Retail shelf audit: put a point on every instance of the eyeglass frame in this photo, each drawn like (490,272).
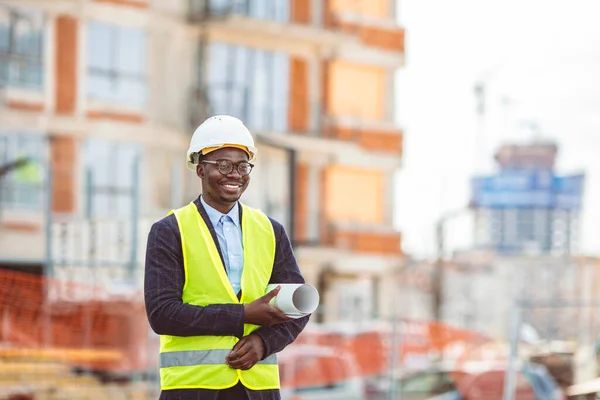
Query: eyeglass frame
(236,165)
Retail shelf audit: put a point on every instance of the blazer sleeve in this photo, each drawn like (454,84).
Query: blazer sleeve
(163,289)
(285,270)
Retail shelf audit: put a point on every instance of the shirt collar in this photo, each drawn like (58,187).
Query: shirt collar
(215,216)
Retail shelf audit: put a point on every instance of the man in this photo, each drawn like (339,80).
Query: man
(207,268)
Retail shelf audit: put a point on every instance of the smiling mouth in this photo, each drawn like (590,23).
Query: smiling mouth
(232,186)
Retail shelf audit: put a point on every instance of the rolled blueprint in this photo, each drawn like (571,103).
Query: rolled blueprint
(295,299)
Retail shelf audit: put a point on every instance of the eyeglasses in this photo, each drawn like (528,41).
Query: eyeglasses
(226,167)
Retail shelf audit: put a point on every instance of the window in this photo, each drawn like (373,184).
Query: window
(116,64)
(525,226)
(251,84)
(21,48)
(22,188)
(111,167)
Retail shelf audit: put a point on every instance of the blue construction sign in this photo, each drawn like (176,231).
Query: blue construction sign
(528,189)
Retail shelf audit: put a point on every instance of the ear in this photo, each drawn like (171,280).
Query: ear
(200,170)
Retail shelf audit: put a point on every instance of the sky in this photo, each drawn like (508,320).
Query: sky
(540,61)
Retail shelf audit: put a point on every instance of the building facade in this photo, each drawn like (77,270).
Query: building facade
(101,97)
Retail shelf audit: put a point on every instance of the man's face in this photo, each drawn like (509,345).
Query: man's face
(223,189)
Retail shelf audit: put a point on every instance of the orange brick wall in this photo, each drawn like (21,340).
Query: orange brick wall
(21,226)
(64,153)
(391,39)
(116,116)
(348,186)
(388,39)
(382,141)
(24,105)
(365,97)
(366,242)
(129,3)
(301,11)
(387,141)
(66,64)
(298,114)
(368,8)
(328,15)
(325,86)
(342,133)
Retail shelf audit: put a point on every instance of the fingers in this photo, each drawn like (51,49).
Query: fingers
(236,348)
(240,348)
(245,362)
(279,316)
(261,312)
(247,354)
(269,296)
(244,356)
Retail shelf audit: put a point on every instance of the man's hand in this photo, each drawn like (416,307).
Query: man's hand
(260,312)
(246,353)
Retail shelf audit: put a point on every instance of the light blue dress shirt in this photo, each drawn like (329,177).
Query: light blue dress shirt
(229,233)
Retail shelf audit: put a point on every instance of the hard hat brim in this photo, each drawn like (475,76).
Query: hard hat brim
(248,149)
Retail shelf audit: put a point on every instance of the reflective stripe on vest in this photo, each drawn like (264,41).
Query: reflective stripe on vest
(199,361)
(197,357)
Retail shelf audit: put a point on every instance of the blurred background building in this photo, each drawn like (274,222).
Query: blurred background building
(523,247)
(527,207)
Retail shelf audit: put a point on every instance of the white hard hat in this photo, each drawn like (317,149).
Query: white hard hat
(218,132)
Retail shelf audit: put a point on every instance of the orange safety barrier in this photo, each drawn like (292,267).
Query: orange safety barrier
(371,351)
(42,318)
(371,348)
(49,319)
(313,366)
(441,335)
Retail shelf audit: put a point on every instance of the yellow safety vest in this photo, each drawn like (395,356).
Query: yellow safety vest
(199,361)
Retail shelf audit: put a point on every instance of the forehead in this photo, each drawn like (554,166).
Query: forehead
(228,153)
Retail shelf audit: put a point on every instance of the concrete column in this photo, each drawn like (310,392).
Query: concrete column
(314,96)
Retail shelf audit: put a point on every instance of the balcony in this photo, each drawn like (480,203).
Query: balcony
(207,10)
(364,239)
(274,23)
(140,4)
(378,32)
(370,136)
(284,11)
(389,39)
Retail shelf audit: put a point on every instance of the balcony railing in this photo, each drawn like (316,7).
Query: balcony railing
(379,32)
(369,135)
(205,10)
(363,239)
